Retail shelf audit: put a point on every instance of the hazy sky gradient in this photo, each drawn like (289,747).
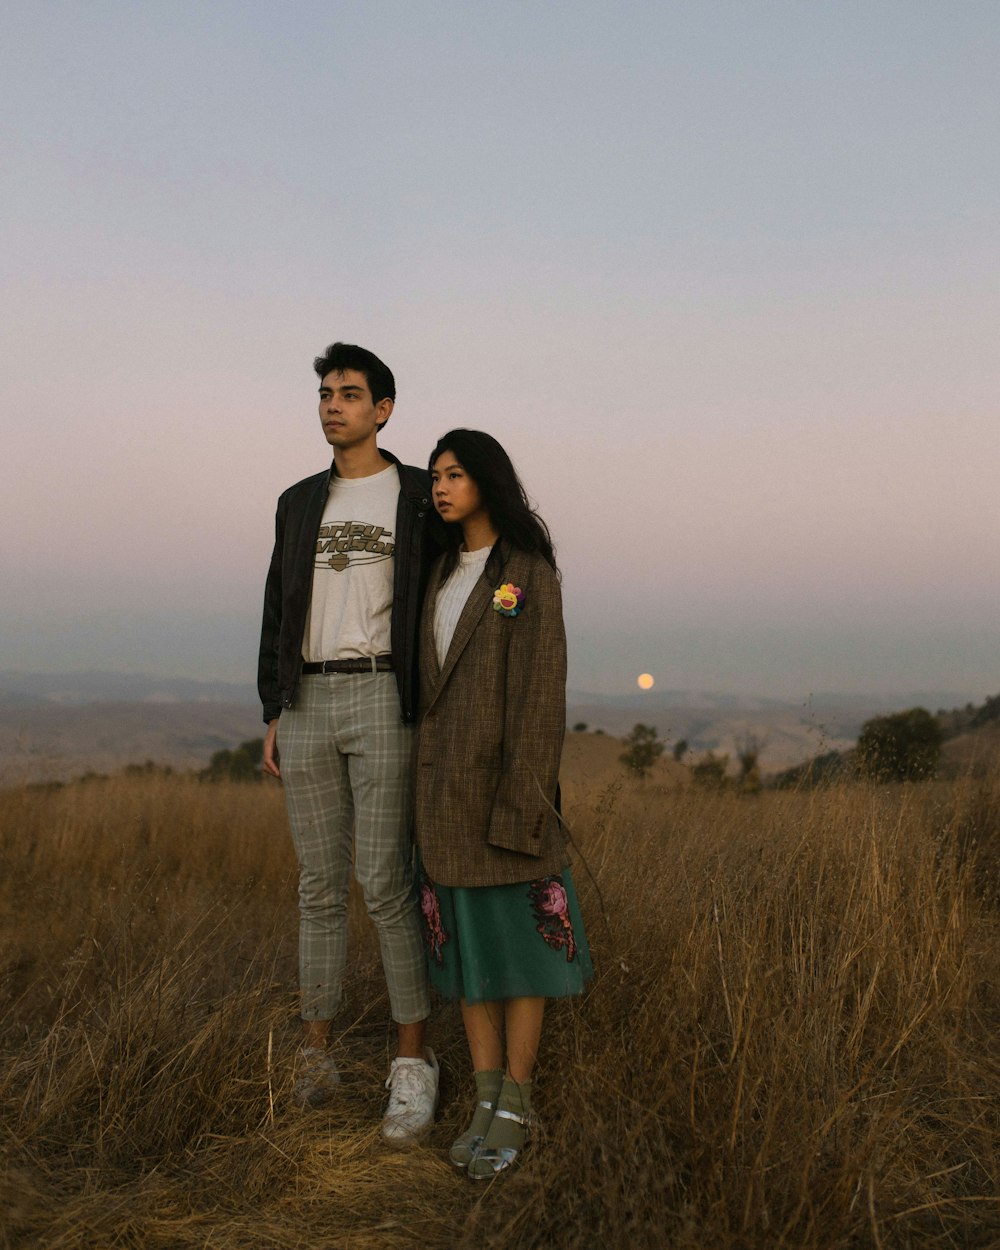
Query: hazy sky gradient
(721,276)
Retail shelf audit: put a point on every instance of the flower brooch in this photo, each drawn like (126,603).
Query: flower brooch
(508,600)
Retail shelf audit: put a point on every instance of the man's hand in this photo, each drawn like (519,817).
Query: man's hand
(271,756)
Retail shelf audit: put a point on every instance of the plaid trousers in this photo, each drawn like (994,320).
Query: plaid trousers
(347,763)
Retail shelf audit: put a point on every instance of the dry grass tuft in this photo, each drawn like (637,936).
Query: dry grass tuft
(791,1039)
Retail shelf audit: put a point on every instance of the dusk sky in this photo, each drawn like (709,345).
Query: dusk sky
(721,276)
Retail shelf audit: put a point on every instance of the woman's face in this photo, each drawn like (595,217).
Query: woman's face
(456,496)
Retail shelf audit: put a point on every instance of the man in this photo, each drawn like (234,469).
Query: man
(338,681)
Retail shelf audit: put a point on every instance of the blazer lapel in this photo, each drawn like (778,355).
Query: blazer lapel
(476,604)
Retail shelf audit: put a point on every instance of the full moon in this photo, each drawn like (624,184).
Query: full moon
(645,681)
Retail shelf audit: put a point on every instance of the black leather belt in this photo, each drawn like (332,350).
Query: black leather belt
(371,664)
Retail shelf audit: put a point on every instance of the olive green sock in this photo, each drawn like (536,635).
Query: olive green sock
(487,1089)
(488,1084)
(516,1098)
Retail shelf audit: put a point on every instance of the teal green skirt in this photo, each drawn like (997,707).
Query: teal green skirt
(505,941)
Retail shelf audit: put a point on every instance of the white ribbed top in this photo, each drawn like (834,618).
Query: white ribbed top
(453,596)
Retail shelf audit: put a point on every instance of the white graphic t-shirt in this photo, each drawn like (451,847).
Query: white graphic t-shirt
(350,608)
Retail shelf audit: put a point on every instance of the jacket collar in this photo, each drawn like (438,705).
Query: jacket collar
(477,603)
(409,482)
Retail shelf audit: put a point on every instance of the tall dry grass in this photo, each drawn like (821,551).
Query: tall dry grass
(791,1039)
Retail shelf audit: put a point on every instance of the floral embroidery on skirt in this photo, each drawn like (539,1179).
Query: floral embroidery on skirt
(548,897)
(433,930)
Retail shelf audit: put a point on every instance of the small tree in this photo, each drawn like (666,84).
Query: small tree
(748,754)
(580,727)
(710,772)
(149,769)
(821,770)
(989,711)
(643,749)
(243,764)
(901,747)
(680,749)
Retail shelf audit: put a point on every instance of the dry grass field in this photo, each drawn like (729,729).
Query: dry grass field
(791,1040)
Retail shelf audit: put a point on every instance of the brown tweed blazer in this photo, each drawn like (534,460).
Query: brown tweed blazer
(491,734)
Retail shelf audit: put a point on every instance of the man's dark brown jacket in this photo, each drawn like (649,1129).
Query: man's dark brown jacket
(289,584)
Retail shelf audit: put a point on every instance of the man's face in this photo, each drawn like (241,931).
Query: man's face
(346,410)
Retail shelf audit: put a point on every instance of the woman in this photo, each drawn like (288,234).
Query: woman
(502,926)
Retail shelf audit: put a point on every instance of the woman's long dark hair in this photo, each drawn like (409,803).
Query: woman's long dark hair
(513,517)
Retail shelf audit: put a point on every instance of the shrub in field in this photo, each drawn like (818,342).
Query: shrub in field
(149,769)
(901,747)
(710,772)
(988,712)
(748,755)
(821,770)
(243,764)
(642,749)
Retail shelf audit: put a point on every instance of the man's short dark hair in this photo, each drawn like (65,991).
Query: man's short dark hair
(341,356)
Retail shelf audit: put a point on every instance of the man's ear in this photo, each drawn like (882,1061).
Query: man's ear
(383,411)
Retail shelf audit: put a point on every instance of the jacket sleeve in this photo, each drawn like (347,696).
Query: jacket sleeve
(534,721)
(270,628)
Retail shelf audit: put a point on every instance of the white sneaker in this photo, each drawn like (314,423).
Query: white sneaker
(413,1095)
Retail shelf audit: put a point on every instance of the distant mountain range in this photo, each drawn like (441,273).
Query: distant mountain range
(77,689)
(59,725)
(785,732)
